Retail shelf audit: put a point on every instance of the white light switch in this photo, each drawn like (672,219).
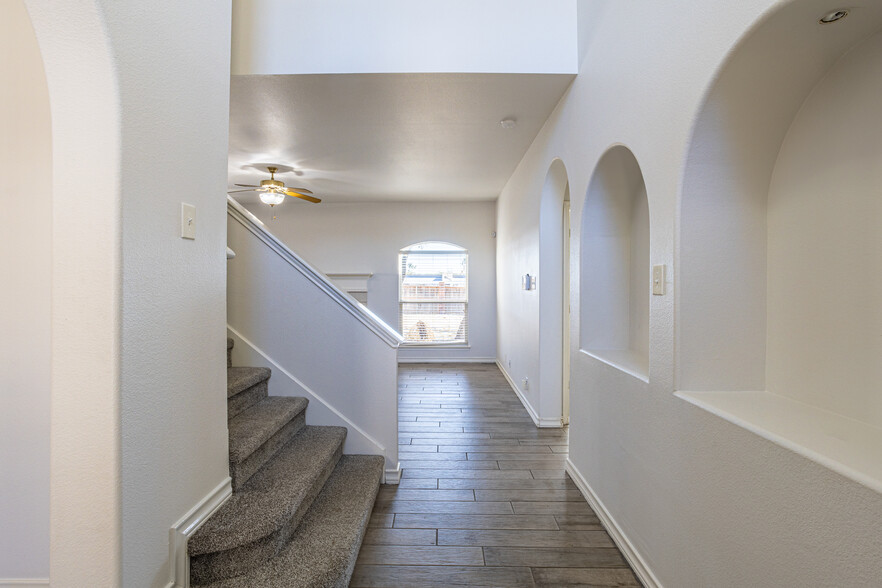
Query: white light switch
(188,221)
(658,280)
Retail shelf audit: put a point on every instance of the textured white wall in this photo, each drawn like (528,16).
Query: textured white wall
(25,270)
(704,502)
(825,245)
(341,366)
(366,238)
(139,99)
(172,60)
(336,36)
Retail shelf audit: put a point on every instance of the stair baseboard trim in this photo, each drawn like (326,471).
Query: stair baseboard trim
(275,366)
(445,359)
(636,561)
(392,476)
(179,534)
(24,582)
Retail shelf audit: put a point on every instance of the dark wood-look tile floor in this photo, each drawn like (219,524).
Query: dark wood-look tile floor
(484,499)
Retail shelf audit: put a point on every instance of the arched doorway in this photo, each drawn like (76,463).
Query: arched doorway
(554,330)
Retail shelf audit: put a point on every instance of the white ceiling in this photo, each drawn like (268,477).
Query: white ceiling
(387,137)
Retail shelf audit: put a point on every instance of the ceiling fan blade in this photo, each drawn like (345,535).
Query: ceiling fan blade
(248,185)
(237,191)
(299,190)
(303,196)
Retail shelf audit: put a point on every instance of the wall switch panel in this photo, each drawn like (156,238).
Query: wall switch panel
(188,221)
(658,280)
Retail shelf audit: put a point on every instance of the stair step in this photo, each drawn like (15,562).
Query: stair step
(246,386)
(258,520)
(256,434)
(324,548)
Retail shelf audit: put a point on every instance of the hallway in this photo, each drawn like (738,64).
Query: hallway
(483,499)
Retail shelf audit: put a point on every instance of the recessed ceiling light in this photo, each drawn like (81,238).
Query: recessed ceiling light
(508,123)
(833,16)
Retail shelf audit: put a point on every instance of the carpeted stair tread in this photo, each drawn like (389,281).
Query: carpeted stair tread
(276,496)
(242,378)
(323,550)
(253,427)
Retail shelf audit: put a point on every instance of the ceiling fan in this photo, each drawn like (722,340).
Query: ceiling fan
(273,192)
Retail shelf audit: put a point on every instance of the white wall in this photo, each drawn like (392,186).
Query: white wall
(26,269)
(317,346)
(173,64)
(330,36)
(366,238)
(699,501)
(139,99)
(825,245)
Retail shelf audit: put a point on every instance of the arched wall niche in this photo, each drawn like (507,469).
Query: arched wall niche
(779,248)
(614,265)
(553,290)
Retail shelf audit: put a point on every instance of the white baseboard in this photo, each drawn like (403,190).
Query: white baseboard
(446,359)
(542,423)
(638,564)
(392,476)
(179,534)
(24,582)
(520,394)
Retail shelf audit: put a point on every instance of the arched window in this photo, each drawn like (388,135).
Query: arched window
(433,293)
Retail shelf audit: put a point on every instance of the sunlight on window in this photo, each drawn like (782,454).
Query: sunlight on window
(433,293)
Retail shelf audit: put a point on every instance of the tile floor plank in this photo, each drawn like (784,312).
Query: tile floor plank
(591,577)
(453,521)
(420,555)
(433,507)
(503,484)
(484,499)
(388,576)
(380,536)
(524,538)
(392,493)
(555,557)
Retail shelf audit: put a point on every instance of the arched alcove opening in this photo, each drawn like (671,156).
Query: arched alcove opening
(25,312)
(614,265)
(780,250)
(85,444)
(553,288)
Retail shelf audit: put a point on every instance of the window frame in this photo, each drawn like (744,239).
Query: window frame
(459,251)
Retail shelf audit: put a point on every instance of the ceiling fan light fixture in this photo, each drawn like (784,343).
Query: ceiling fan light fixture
(272,198)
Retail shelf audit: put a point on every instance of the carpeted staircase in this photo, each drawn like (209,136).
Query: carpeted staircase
(299,507)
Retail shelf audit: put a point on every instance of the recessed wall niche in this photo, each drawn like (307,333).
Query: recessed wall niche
(614,271)
(780,248)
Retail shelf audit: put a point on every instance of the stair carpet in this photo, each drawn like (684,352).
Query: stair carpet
(299,507)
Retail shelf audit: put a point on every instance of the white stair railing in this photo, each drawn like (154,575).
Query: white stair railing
(319,341)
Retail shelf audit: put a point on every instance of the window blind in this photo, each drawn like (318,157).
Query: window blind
(433,293)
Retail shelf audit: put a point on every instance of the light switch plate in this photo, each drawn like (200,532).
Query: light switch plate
(188,221)
(658,280)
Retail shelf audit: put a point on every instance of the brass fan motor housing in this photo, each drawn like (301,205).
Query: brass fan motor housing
(273,184)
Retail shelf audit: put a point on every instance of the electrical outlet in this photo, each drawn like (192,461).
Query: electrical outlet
(526,384)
